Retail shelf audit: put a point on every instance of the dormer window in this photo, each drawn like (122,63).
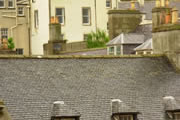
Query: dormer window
(177,116)
(125,116)
(121,111)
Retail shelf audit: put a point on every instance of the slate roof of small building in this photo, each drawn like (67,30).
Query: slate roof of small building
(29,87)
(145,46)
(127,38)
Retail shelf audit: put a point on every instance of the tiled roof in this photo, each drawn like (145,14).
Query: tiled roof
(128,38)
(29,87)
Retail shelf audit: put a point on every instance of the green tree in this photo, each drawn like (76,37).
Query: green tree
(97,39)
(11,43)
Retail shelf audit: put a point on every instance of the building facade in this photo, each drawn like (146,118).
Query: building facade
(40,25)
(80,17)
(15,23)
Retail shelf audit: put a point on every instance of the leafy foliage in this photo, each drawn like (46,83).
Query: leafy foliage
(11,43)
(97,39)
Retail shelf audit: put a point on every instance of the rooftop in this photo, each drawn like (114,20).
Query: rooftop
(29,87)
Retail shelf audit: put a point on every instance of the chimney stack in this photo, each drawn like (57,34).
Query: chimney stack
(115,105)
(162,3)
(133,5)
(157,3)
(167,3)
(174,15)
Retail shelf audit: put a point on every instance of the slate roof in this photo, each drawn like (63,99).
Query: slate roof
(145,46)
(127,38)
(147,8)
(29,87)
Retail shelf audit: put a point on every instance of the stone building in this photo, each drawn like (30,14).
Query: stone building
(166,29)
(15,23)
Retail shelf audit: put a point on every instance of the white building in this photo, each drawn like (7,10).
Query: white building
(40,25)
(80,17)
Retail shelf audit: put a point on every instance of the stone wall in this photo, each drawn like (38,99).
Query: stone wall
(168,42)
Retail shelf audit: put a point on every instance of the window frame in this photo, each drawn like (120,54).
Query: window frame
(3,4)
(63,15)
(4,32)
(89,16)
(19,11)
(13,2)
(111,50)
(110,3)
(36,19)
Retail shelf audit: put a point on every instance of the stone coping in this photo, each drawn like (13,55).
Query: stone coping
(78,56)
(118,11)
(167,27)
(84,50)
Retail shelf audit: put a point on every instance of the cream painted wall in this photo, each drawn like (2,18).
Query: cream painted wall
(73,29)
(40,35)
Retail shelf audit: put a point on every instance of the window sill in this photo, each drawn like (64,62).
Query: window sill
(86,24)
(21,16)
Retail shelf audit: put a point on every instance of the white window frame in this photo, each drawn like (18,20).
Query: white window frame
(109,2)
(22,14)
(62,16)
(111,50)
(12,3)
(3,3)
(4,32)
(87,16)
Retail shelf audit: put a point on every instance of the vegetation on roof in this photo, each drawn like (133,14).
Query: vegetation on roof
(97,39)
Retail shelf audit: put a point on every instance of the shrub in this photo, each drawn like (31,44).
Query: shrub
(97,39)
(11,43)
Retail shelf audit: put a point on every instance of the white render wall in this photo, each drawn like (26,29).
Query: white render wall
(73,29)
(40,35)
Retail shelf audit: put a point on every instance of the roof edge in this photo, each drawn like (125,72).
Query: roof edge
(77,56)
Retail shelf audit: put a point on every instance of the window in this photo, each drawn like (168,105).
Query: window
(10,3)
(86,16)
(62,36)
(176,116)
(1,3)
(4,33)
(85,37)
(60,13)
(118,50)
(122,117)
(36,19)
(108,3)
(111,50)
(20,11)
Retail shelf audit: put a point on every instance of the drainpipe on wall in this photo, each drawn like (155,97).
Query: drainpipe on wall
(49,11)
(16,21)
(116,4)
(95,8)
(29,27)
